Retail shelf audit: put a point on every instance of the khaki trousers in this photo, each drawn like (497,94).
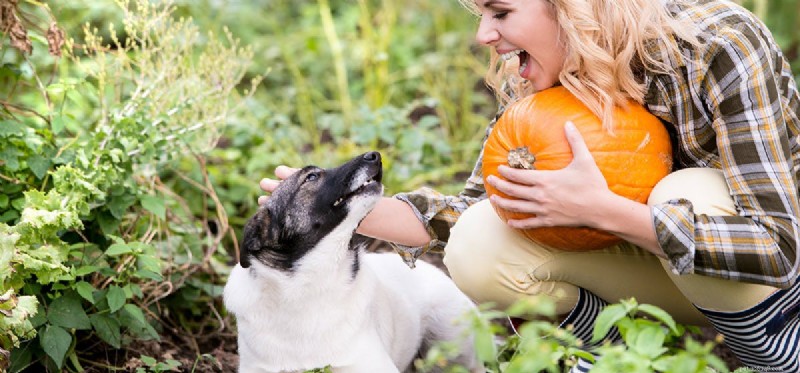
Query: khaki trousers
(491,262)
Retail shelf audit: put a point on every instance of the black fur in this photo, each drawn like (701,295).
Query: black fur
(302,211)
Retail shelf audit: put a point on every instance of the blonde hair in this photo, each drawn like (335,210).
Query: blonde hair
(608,42)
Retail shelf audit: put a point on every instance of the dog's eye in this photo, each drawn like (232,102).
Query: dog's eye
(312,176)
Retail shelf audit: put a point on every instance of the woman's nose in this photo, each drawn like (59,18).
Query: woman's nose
(487,33)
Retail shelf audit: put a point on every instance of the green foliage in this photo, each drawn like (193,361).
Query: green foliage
(651,342)
(128,161)
(88,230)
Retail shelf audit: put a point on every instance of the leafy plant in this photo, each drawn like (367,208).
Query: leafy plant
(651,342)
(91,231)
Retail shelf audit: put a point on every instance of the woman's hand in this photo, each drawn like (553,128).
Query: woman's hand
(559,197)
(269,185)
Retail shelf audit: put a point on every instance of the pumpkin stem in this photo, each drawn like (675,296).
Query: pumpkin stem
(521,158)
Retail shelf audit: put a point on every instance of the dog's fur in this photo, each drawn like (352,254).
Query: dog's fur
(306,295)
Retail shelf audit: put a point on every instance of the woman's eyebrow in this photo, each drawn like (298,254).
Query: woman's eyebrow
(489,3)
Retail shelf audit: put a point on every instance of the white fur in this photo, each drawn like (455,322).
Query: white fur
(320,315)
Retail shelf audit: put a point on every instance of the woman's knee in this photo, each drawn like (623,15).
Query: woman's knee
(705,188)
(471,254)
(489,261)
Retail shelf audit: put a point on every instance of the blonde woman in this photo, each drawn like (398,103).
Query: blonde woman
(717,242)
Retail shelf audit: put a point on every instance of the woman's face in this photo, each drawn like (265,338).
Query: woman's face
(525,30)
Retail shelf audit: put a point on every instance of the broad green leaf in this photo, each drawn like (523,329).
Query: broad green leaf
(149,275)
(107,328)
(660,315)
(68,312)
(137,323)
(55,342)
(650,342)
(39,165)
(118,249)
(119,204)
(116,298)
(86,290)
(9,128)
(606,320)
(85,270)
(57,124)
(108,223)
(155,205)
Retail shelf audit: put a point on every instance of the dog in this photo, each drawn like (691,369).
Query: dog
(307,295)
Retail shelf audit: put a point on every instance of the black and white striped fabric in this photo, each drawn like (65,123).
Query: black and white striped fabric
(582,319)
(766,338)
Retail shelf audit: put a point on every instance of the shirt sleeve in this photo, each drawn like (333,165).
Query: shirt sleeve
(744,103)
(439,212)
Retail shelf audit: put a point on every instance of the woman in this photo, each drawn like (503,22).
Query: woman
(717,242)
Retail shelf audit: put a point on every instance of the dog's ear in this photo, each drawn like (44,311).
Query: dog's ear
(254,236)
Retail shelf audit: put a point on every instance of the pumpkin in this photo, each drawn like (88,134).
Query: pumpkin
(633,157)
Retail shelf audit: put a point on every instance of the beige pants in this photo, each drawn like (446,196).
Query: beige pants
(491,262)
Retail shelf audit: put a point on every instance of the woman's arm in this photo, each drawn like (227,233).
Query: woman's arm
(395,221)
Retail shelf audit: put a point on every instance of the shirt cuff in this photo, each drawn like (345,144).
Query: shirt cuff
(411,253)
(674,225)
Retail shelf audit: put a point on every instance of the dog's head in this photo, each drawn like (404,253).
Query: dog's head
(308,206)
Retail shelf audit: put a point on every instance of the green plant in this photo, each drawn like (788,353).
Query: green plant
(651,342)
(92,233)
(156,366)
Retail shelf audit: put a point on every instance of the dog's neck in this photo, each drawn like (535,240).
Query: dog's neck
(330,267)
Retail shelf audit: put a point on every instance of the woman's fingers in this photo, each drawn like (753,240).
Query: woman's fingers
(269,185)
(516,205)
(282,172)
(510,188)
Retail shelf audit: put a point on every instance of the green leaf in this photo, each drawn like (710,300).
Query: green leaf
(3,201)
(107,328)
(120,203)
(9,128)
(67,311)
(57,124)
(85,270)
(86,290)
(55,342)
(39,165)
(650,342)
(606,320)
(108,223)
(119,249)
(116,298)
(660,315)
(155,205)
(136,322)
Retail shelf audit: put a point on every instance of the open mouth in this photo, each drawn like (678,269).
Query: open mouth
(370,183)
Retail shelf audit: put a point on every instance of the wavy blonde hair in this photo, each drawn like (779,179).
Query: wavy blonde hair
(608,43)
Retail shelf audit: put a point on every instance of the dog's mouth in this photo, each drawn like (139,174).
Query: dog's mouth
(372,183)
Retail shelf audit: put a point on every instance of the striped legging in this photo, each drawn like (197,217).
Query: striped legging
(766,337)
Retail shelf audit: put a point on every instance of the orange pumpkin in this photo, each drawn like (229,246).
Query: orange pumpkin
(632,159)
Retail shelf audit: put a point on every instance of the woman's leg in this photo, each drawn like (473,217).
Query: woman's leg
(491,262)
(759,323)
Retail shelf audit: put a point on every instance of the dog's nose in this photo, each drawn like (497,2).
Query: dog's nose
(372,157)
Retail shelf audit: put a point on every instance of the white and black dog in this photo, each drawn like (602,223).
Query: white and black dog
(306,295)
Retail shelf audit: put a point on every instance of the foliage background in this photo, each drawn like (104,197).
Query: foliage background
(128,170)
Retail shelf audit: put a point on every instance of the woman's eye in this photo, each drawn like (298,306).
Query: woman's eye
(312,176)
(500,15)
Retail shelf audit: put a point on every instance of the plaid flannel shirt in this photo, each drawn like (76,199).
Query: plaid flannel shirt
(733,106)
